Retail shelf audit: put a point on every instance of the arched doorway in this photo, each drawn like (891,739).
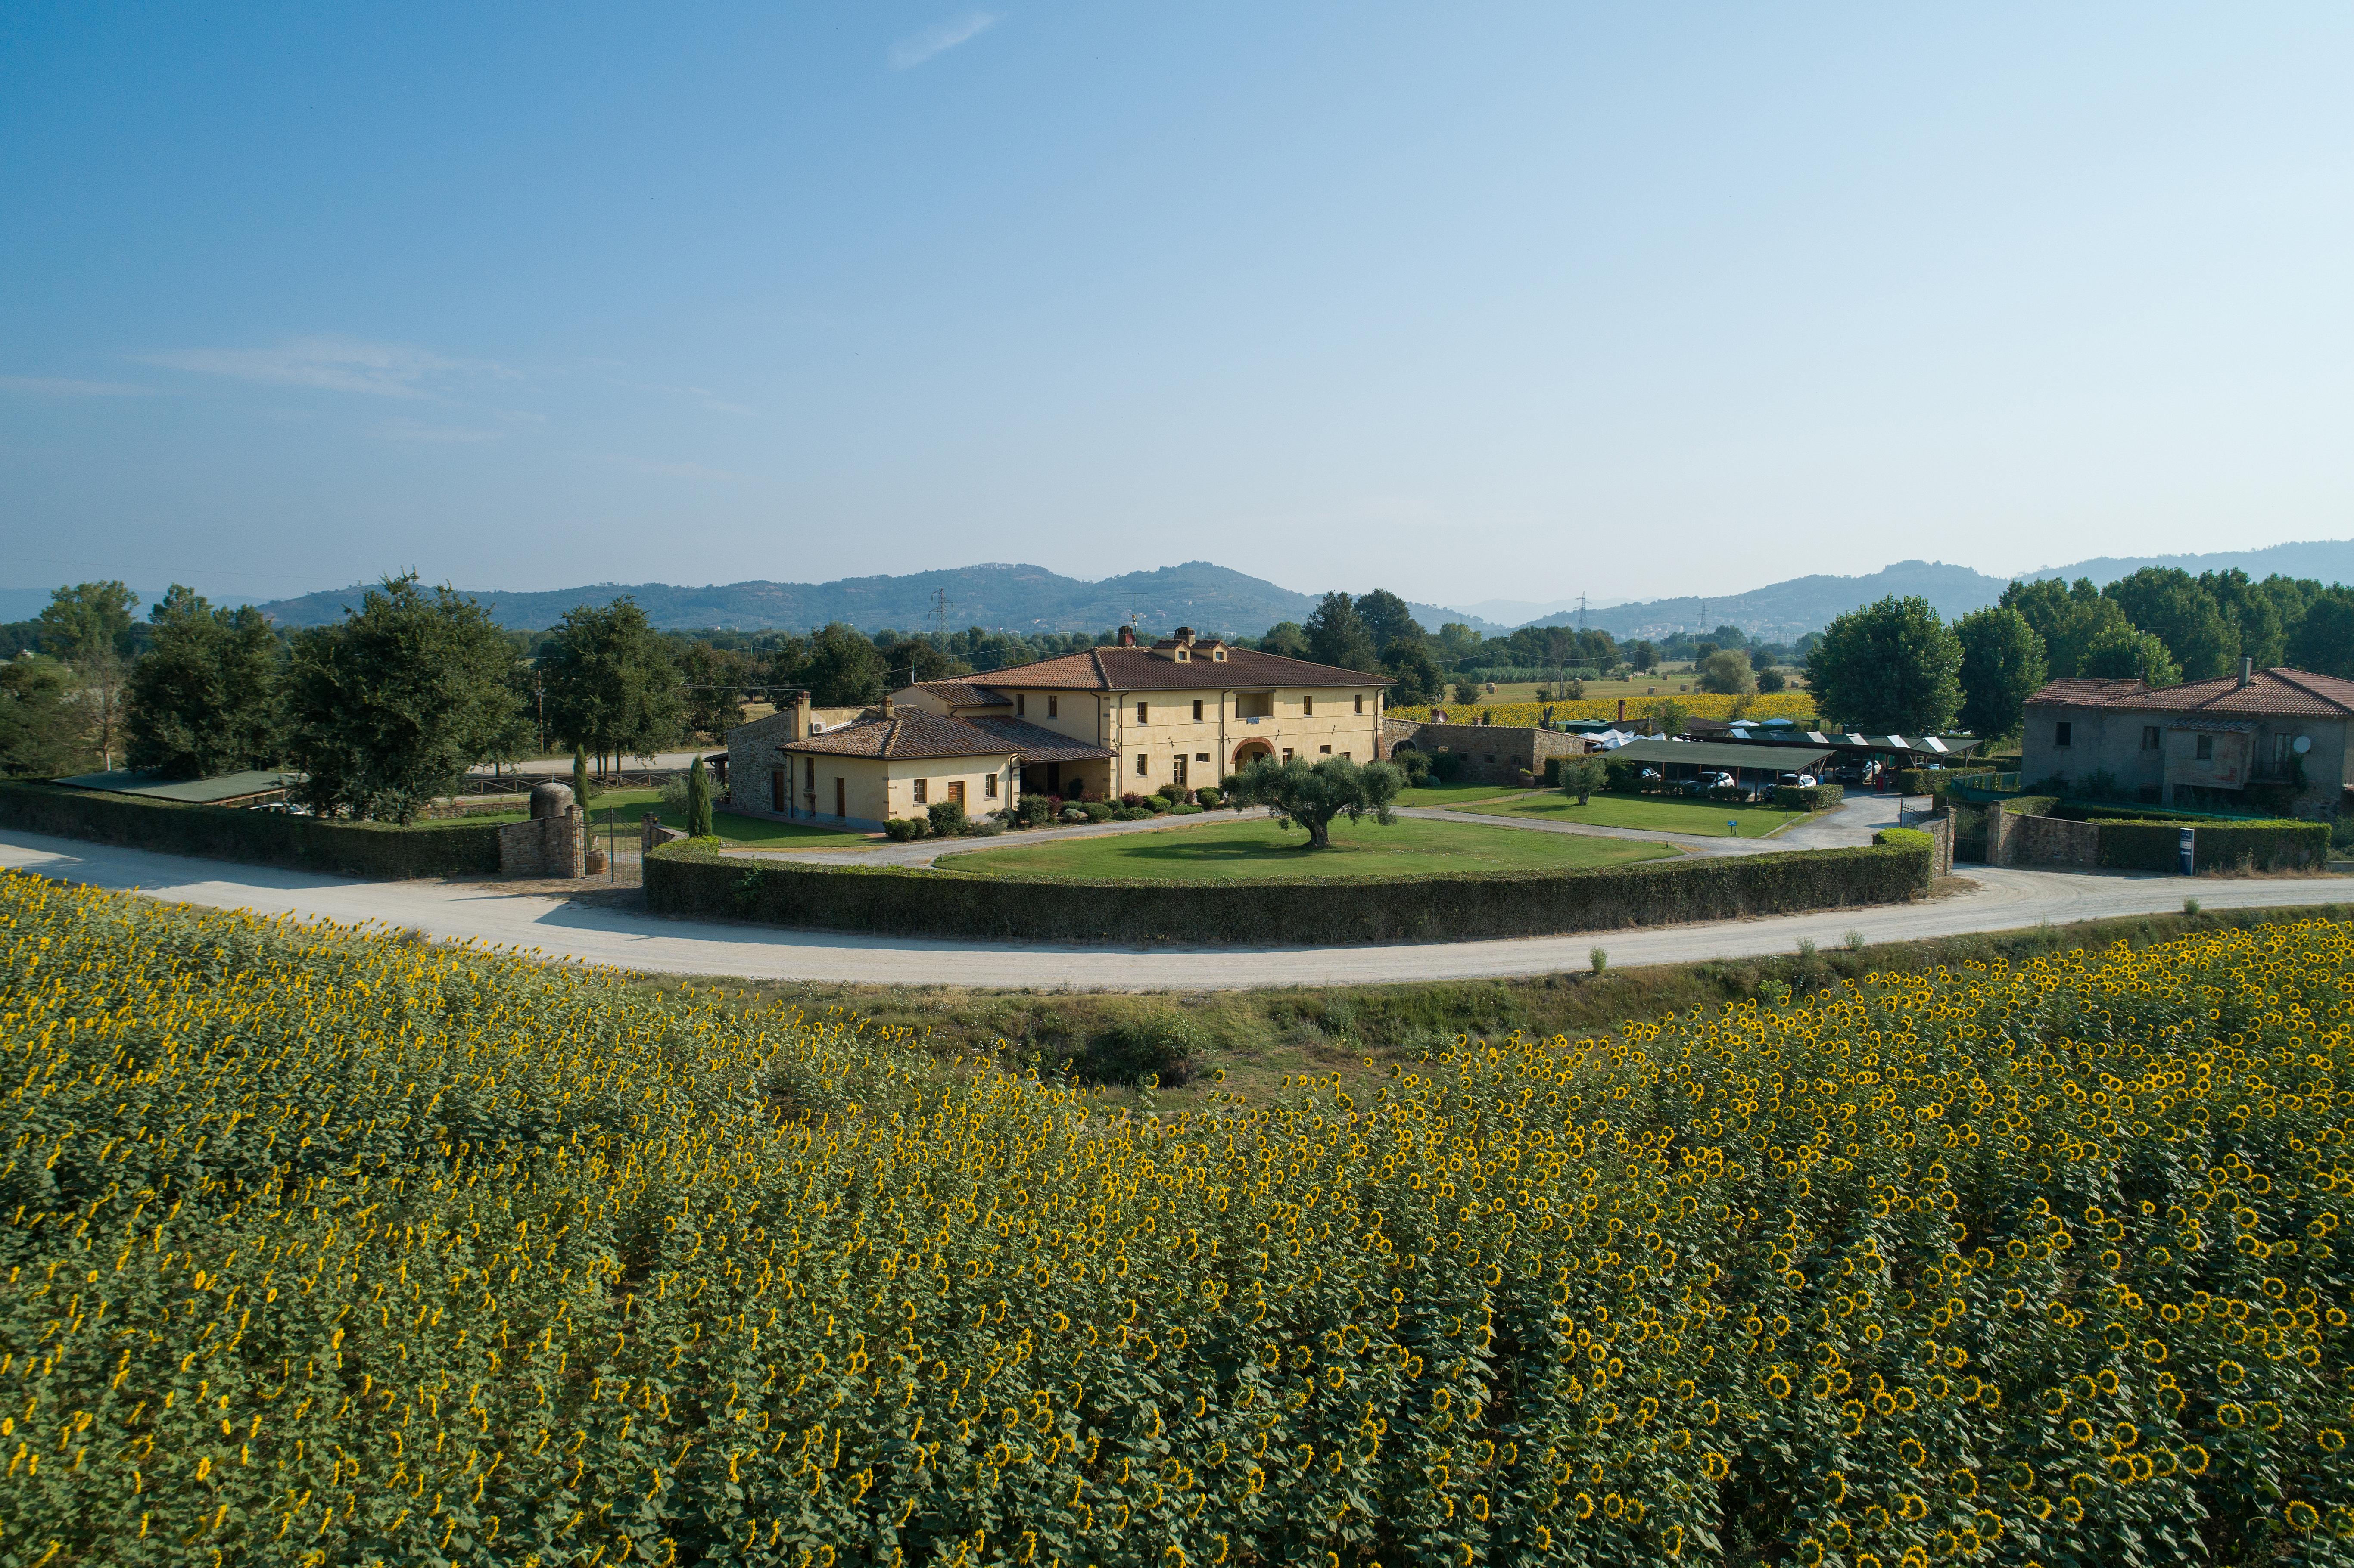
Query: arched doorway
(1250,749)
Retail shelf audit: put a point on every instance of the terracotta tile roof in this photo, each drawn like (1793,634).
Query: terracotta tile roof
(1035,743)
(966,695)
(909,735)
(1157,669)
(2295,693)
(904,735)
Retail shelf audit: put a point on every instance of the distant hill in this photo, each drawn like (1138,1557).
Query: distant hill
(1787,611)
(998,598)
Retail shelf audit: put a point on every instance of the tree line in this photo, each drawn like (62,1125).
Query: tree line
(1895,667)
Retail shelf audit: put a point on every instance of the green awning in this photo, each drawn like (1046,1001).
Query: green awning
(187,791)
(1726,755)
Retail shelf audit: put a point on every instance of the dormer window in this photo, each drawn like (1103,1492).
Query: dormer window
(1217,655)
(1184,655)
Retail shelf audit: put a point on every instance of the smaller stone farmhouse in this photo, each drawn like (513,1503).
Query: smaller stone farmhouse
(1491,753)
(893,763)
(2272,742)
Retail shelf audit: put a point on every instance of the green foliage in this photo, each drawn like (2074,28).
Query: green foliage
(1727,673)
(1338,636)
(1669,717)
(698,801)
(840,667)
(375,851)
(612,686)
(1621,777)
(2122,653)
(2323,642)
(89,624)
(1467,692)
(2069,617)
(2172,606)
(1892,667)
(388,709)
(2282,846)
(902,830)
(1210,796)
(947,818)
(1807,797)
(1439,907)
(1579,777)
(712,680)
(43,730)
(1162,1044)
(584,784)
(203,700)
(1286,638)
(1771,680)
(1387,621)
(1418,684)
(1309,796)
(2003,664)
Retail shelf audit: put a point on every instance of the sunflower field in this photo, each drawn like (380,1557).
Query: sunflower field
(330,1246)
(1695,705)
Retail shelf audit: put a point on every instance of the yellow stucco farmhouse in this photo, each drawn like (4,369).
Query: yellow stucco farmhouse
(1126,719)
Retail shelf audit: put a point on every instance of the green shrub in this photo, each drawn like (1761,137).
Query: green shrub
(1730,794)
(1437,908)
(1163,1044)
(1181,810)
(1209,797)
(1807,797)
(947,818)
(2280,845)
(1132,814)
(376,851)
(1037,811)
(1622,776)
(1157,804)
(1098,811)
(899,830)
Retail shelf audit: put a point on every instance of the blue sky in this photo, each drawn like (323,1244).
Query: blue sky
(1512,302)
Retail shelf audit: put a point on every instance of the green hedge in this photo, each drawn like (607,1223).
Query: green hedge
(1912,838)
(683,880)
(2277,845)
(1807,797)
(1932,780)
(378,850)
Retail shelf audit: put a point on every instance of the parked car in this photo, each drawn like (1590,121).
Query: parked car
(1797,781)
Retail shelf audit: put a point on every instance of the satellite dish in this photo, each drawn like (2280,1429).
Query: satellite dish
(2301,745)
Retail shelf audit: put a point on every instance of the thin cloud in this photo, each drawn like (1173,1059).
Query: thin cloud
(332,365)
(939,39)
(404,430)
(676,470)
(58,387)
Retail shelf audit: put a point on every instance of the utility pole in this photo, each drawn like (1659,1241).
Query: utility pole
(940,607)
(1581,612)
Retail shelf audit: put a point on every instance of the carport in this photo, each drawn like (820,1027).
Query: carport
(1754,765)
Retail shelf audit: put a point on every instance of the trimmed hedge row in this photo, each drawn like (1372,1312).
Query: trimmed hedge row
(1932,780)
(376,851)
(683,879)
(1808,797)
(2278,845)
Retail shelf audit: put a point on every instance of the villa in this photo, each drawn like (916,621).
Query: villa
(1126,719)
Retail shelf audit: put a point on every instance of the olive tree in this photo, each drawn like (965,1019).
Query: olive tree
(1309,796)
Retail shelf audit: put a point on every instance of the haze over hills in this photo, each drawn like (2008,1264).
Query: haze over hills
(1220,600)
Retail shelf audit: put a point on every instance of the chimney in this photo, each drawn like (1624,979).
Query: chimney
(1622,710)
(1128,637)
(2247,673)
(800,725)
(887,704)
(1184,637)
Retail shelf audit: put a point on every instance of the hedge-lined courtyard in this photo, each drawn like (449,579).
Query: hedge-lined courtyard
(1255,850)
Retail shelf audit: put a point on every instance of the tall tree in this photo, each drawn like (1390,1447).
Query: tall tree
(388,709)
(1337,636)
(1642,655)
(1891,668)
(1285,640)
(44,728)
(2170,603)
(1408,662)
(2122,653)
(88,625)
(203,700)
(1388,620)
(2069,617)
(2254,615)
(840,667)
(2002,665)
(712,687)
(612,686)
(1726,673)
(2324,640)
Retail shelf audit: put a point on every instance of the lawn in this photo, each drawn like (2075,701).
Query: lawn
(628,806)
(1455,794)
(1256,849)
(1652,813)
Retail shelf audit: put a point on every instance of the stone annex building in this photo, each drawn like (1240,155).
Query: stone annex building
(2269,741)
(1127,719)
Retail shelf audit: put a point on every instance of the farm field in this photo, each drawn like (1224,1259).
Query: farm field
(1255,849)
(563,1267)
(1656,812)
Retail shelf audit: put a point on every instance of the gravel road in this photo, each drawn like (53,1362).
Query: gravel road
(561,927)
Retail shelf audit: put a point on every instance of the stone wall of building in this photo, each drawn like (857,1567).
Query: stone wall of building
(546,847)
(2054,841)
(1492,752)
